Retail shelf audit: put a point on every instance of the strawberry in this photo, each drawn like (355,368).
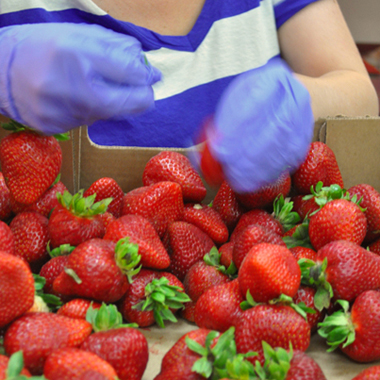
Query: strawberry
(268,271)
(30,163)
(152,298)
(76,219)
(31,236)
(178,361)
(303,253)
(124,347)
(226,204)
(107,218)
(5,200)
(99,270)
(141,232)
(104,188)
(266,195)
(77,308)
(355,331)
(175,167)
(342,270)
(17,288)
(7,240)
(225,252)
(320,165)
(13,367)
(370,373)
(339,219)
(218,308)
(205,274)
(278,325)
(186,244)
(370,202)
(304,207)
(208,220)
(43,205)
(303,367)
(375,247)
(39,334)
(259,217)
(249,237)
(161,203)
(76,364)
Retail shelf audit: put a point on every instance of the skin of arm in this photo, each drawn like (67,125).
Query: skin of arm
(318,46)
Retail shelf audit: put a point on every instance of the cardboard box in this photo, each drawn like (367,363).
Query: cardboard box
(355,142)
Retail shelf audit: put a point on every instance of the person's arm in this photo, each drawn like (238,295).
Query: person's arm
(318,46)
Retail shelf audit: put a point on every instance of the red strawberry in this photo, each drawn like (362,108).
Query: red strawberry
(13,367)
(77,308)
(175,167)
(339,219)
(97,269)
(43,205)
(278,325)
(104,188)
(177,363)
(266,195)
(76,364)
(161,203)
(7,240)
(260,217)
(30,163)
(304,207)
(375,247)
(17,288)
(225,252)
(107,218)
(5,202)
(218,308)
(31,236)
(141,232)
(370,373)
(226,204)
(319,165)
(124,347)
(370,202)
(249,237)
(303,253)
(343,270)
(150,296)
(39,334)
(76,219)
(208,220)
(268,271)
(186,244)
(204,274)
(355,331)
(306,295)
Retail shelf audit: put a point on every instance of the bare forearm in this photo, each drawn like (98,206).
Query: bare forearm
(341,92)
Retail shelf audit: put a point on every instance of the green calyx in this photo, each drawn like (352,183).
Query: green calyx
(15,126)
(277,363)
(300,237)
(283,212)
(314,275)
(82,206)
(127,258)
(213,259)
(15,366)
(221,360)
(53,302)
(62,250)
(161,297)
(338,328)
(107,317)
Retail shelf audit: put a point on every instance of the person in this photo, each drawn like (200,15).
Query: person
(149,73)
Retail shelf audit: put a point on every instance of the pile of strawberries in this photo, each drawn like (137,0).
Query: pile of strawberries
(256,274)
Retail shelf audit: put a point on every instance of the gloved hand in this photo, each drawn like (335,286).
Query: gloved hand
(58,76)
(263,126)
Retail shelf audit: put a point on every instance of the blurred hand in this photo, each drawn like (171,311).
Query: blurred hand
(58,76)
(262,127)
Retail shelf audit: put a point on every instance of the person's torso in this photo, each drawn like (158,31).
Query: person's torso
(228,37)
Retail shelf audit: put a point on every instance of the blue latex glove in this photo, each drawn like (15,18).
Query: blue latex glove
(58,76)
(262,127)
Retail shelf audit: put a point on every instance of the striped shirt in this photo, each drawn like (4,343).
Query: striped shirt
(229,37)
